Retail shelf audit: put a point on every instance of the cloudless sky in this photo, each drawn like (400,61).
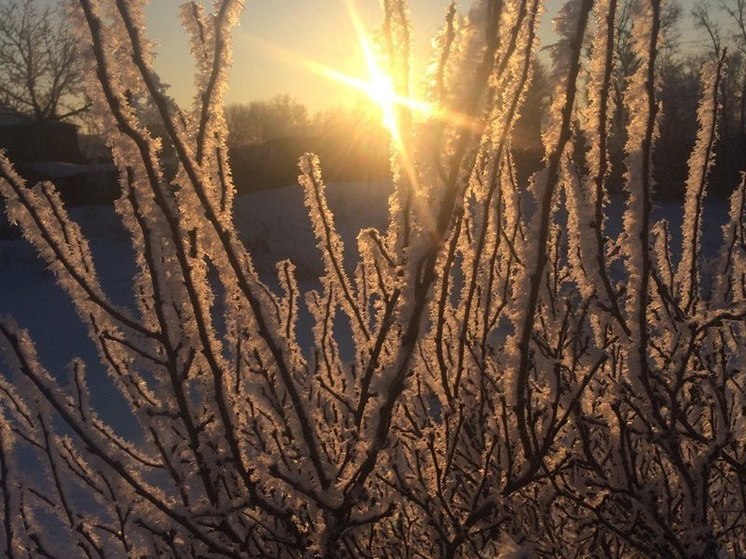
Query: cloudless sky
(274,35)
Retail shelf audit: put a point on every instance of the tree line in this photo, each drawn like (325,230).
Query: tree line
(42,81)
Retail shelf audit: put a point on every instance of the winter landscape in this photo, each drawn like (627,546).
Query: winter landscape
(500,314)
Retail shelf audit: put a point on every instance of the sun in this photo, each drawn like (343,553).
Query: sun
(372,81)
(381,92)
(378,88)
(380,85)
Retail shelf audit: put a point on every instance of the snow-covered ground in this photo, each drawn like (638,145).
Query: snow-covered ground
(272,223)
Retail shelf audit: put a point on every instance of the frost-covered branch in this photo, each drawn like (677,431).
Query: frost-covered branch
(495,375)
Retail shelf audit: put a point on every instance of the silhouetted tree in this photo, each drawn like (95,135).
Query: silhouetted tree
(265,120)
(41,75)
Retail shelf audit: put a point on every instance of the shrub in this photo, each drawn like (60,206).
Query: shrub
(521,381)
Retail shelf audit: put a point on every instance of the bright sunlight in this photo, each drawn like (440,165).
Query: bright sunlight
(379,86)
(373,81)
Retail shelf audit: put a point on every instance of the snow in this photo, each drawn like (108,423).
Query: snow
(273,224)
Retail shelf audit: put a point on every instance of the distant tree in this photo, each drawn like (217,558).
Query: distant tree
(627,62)
(342,119)
(736,11)
(41,74)
(265,120)
(677,126)
(705,19)
(527,132)
(724,24)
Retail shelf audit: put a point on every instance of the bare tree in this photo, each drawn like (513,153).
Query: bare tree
(259,121)
(735,29)
(736,10)
(724,23)
(41,75)
(704,19)
(519,379)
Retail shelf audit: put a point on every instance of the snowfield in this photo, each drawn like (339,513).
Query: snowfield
(272,223)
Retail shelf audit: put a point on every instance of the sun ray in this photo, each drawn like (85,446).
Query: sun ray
(378,87)
(380,90)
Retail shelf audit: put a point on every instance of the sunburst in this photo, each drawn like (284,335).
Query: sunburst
(378,85)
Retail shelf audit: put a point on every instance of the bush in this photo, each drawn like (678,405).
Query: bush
(519,379)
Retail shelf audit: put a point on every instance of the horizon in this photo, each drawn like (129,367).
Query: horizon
(273,40)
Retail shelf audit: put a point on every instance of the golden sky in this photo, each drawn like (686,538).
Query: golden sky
(273,39)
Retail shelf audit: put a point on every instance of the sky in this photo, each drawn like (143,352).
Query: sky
(272,38)
(274,35)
